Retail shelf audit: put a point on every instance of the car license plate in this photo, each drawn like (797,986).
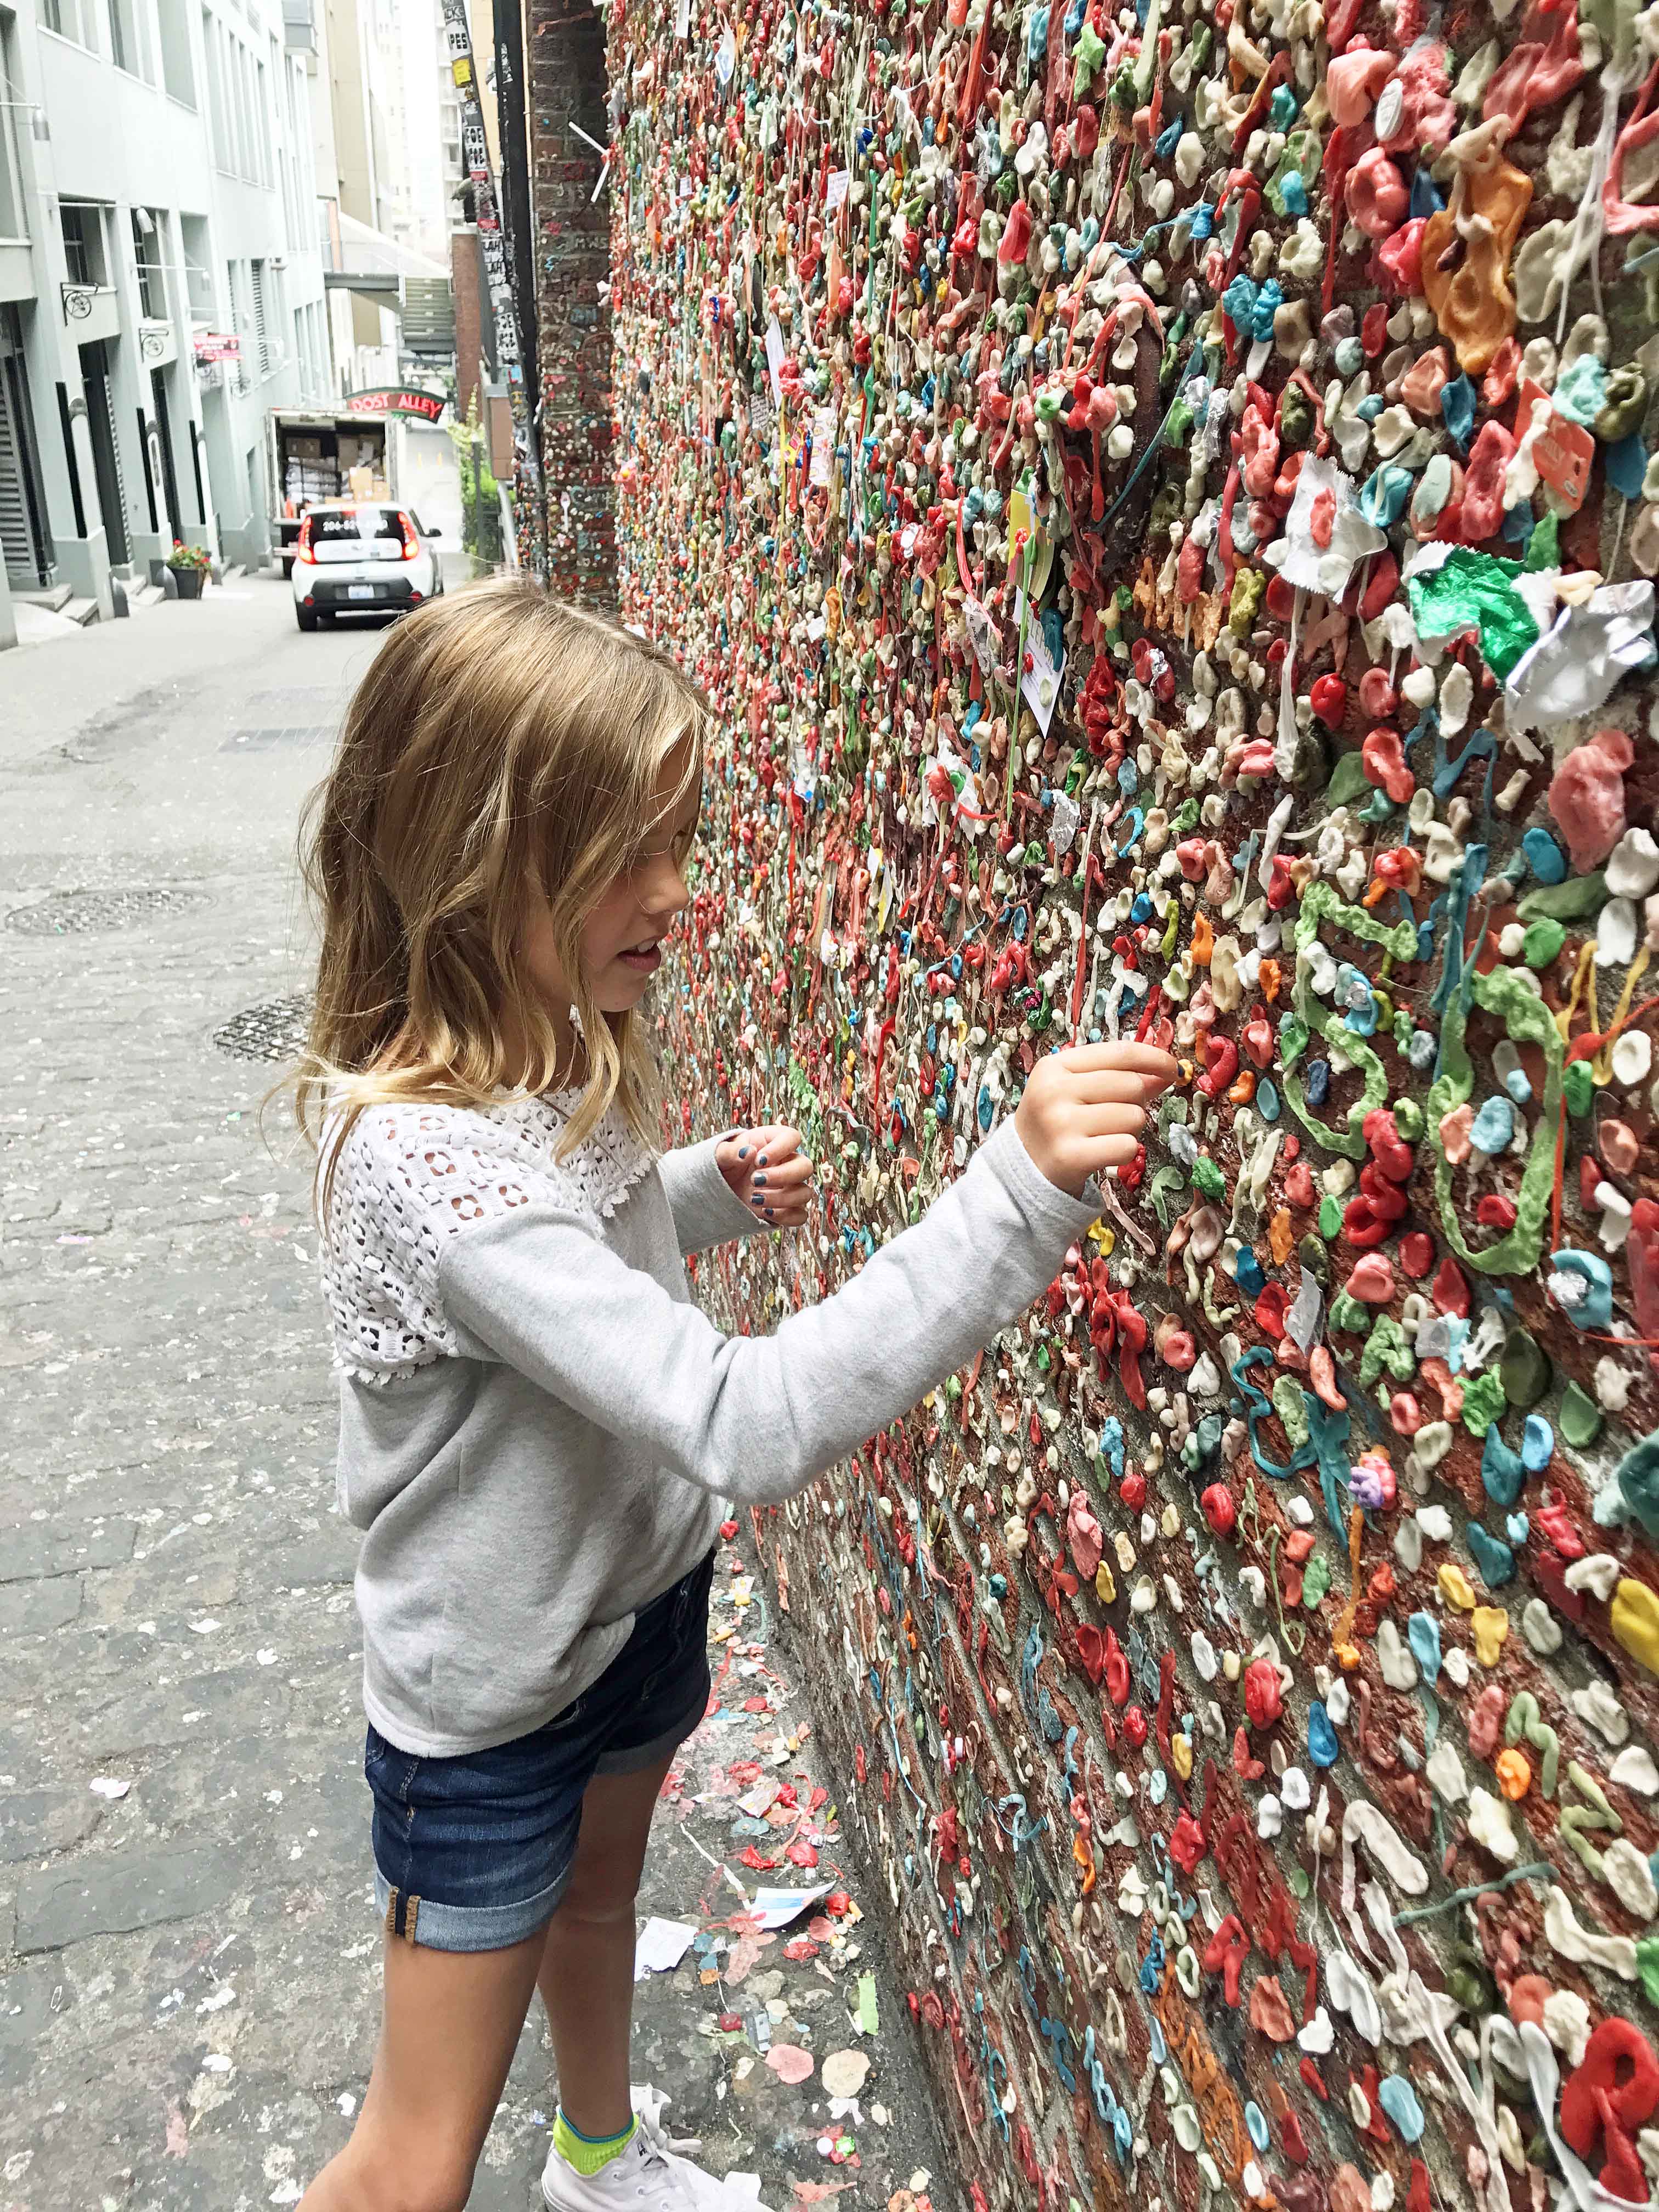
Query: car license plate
(360,591)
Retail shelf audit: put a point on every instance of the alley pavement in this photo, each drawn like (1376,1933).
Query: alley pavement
(189,1957)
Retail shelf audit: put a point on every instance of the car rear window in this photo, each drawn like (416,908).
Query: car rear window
(357,523)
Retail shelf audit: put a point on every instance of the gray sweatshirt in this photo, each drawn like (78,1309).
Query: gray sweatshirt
(539,1432)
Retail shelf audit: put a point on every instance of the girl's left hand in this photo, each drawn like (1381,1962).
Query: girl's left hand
(769,1172)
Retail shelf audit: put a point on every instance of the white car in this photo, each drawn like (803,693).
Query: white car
(363,558)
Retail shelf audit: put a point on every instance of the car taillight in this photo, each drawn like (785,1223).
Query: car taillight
(411,542)
(302,547)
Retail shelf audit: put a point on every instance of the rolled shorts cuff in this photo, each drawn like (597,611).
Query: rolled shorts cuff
(631,1759)
(434,1927)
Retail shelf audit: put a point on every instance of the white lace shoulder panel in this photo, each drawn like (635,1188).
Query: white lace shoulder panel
(411,1176)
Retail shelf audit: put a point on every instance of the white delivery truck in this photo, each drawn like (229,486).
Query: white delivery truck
(316,453)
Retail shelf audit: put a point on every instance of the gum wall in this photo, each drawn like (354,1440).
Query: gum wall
(1163,501)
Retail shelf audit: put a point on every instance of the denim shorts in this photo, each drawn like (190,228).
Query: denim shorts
(473,1854)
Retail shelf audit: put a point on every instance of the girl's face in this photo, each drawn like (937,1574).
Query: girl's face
(622,940)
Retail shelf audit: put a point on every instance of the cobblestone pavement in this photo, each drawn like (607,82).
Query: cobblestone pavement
(188,1955)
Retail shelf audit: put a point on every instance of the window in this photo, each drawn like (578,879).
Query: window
(13,218)
(266,353)
(336,525)
(245,125)
(149,252)
(239,324)
(176,75)
(261,120)
(198,268)
(71,19)
(84,242)
(218,106)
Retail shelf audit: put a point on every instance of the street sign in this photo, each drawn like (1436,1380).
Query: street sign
(398,399)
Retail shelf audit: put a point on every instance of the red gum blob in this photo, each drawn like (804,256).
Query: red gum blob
(1384,759)
(1352,82)
(1375,194)
(1423,381)
(1404,1414)
(1328,696)
(1527,1993)
(1642,1254)
(1587,797)
(1016,235)
(1262,1700)
(1393,1155)
(1321,1373)
(1483,483)
(1384,585)
(1400,258)
(1372,1279)
(1378,696)
(1269,2013)
(1260,445)
(1220,1509)
(1416,1256)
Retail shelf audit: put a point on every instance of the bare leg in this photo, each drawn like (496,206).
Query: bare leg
(587,1976)
(450,2027)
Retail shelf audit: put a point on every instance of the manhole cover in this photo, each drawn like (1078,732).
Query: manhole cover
(72,914)
(288,733)
(275,1031)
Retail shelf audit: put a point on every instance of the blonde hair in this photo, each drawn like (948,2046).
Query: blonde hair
(502,746)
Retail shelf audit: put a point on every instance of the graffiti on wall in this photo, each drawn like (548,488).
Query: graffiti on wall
(1163,500)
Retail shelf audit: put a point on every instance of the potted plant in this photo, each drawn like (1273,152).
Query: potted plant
(189,565)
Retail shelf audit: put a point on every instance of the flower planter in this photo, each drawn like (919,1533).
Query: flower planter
(189,581)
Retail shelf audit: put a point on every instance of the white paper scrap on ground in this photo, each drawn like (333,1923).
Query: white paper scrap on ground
(776,1908)
(660,1946)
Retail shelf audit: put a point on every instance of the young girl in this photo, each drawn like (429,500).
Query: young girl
(539,1433)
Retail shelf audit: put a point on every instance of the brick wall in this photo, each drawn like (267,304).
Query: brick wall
(567,87)
(466,283)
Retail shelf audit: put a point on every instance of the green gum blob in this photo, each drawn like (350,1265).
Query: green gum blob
(1527,1020)
(1250,589)
(1483,1401)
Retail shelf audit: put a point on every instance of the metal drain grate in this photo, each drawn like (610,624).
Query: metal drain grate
(288,733)
(74,914)
(274,1031)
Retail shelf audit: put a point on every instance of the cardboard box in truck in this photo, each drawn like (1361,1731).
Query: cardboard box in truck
(318,454)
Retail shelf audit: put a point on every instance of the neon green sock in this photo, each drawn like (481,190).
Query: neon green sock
(588,2154)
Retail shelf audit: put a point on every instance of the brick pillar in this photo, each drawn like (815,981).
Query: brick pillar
(572,246)
(466,286)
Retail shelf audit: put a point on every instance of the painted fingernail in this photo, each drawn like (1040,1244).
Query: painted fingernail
(743,1152)
(768,1213)
(759,1179)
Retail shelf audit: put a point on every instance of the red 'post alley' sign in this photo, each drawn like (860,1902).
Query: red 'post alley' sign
(398,399)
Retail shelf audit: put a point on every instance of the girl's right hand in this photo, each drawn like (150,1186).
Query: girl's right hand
(1083,1108)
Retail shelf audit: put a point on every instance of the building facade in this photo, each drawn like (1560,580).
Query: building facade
(161,284)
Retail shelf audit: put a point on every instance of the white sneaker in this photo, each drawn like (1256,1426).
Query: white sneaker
(649,2176)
